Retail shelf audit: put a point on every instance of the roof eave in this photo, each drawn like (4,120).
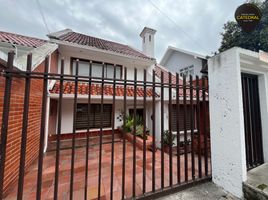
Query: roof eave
(149,60)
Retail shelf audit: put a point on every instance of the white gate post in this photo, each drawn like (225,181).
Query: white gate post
(226,121)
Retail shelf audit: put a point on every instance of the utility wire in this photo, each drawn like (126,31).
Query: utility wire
(186,34)
(42,15)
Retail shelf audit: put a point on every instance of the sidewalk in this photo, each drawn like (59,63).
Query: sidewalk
(206,191)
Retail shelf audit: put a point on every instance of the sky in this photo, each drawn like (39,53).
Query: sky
(193,25)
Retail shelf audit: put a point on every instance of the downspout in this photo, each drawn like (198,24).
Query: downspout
(47,112)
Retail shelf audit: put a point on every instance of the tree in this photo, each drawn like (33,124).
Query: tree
(232,34)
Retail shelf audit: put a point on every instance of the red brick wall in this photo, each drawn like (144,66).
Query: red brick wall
(15,123)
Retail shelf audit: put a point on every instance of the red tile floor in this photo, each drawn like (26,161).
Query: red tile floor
(79,174)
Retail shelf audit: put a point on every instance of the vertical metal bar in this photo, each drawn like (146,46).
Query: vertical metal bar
(249,123)
(88,126)
(170,129)
(112,153)
(144,132)
(261,156)
(192,127)
(205,124)
(58,132)
(134,135)
(5,118)
(154,149)
(185,130)
(74,128)
(101,133)
(178,128)
(124,137)
(245,116)
(198,127)
(24,126)
(162,132)
(42,131)
(253,118)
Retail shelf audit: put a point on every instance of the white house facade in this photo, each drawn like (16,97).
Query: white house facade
(183,62)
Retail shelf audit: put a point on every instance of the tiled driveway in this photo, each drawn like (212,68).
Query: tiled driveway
(79,176)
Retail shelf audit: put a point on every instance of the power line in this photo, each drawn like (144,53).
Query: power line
(42,15)
(171,20)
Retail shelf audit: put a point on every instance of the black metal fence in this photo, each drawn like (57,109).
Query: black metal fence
(186,163)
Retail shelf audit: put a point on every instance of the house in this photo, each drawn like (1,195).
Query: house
(99,52)
(103,54)
(39,48)
(184,62)
(97,61)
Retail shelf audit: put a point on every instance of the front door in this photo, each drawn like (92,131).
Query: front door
(252,120)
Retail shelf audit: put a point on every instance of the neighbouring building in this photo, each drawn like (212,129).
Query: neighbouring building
(184,62)
(23,45)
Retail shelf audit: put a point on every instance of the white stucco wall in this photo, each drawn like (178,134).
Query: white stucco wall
(226,122)
(178,60)
(67,113)
(71,52)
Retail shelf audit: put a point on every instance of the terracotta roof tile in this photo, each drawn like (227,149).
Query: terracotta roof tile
(87,40)
(21,40)
(69,88)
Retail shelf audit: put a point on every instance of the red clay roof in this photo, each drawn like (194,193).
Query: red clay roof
(21,40)
(69,87)
(102,44)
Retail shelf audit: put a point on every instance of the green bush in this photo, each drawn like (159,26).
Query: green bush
(166,138)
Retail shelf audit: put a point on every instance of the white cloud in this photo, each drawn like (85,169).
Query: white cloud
(199,22)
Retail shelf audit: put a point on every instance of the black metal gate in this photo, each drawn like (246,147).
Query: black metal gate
(139,173)
(252,120)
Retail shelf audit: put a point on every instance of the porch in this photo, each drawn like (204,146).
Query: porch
(93,165)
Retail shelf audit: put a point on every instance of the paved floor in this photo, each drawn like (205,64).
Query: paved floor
(206,191)
(256,185)
(93,161)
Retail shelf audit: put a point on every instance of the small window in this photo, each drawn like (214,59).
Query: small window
(149,38)
(95,116)
(181,118)
(143,39)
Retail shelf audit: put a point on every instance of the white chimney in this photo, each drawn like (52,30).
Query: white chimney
(147,36)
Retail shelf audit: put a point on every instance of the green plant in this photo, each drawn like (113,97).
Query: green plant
(130,123)
(166,138)
(139,132)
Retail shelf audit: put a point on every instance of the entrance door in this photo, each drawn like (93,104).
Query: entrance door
(252,120)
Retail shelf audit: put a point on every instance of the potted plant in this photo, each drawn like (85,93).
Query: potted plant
(129,132)
(167,141)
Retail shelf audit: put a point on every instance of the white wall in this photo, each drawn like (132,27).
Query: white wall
(178,60)
(226,122)
(72,52)
(67,113)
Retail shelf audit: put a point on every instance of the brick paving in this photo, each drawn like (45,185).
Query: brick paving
(79,174)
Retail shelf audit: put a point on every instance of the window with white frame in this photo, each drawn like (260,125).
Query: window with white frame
(187,71)
(84,66)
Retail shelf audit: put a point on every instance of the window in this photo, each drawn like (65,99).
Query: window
(83,69)
(150,38)
(143,39)
(139,113)
(95,116)
(181,117)
(187,71)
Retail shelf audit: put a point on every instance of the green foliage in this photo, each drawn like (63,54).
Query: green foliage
(139,132)
(139,126)
(166,138)
(232,34)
